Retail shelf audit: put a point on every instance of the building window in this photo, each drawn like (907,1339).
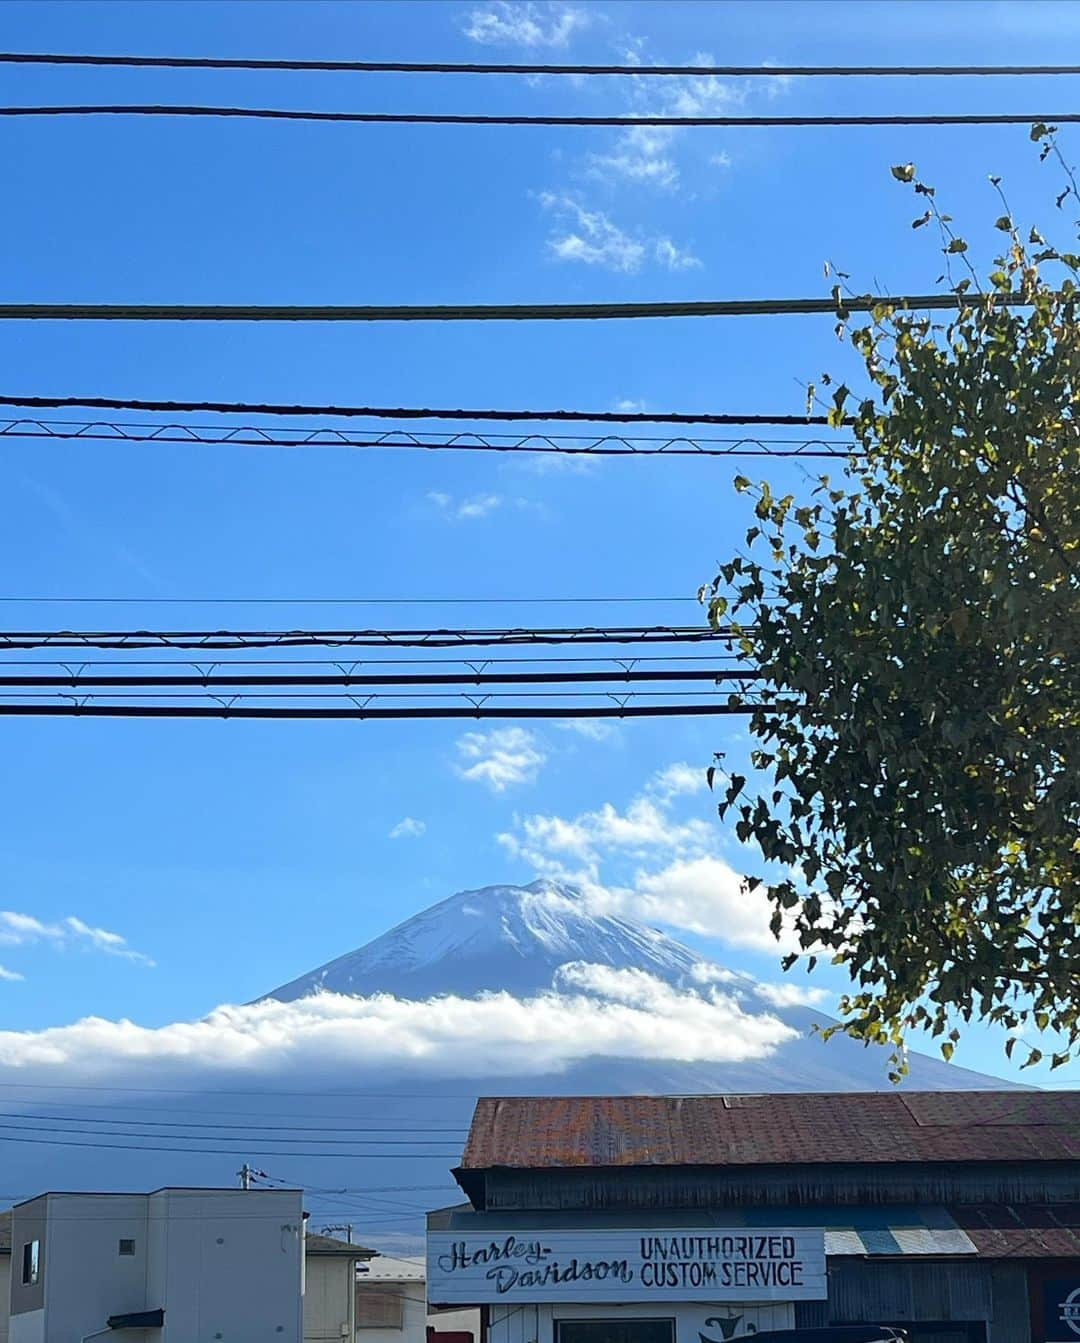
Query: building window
(378,1310)
(126,1247)
(615,1331)
(31,1262)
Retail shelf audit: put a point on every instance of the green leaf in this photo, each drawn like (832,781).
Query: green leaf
(903,172)
(1004,223)
(957,245)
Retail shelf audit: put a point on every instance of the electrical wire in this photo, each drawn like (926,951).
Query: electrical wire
(367,638)
(470,312)
(243,1139)
(547,119)
(254,1149)
(132,683)
(407,412)
(344,601)
(479,712)
(492,68)
(461,1130)
(606,445)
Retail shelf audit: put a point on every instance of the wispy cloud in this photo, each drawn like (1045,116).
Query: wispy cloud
(646,862)
(17,929)
(408,828)
(12,975)
(592,237)
(524,23)
(464,510)
(501,759)
(678,779)
(592,729)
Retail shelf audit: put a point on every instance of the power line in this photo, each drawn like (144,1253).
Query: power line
(467,312)
(367,638)
(240,1138)
(459,1131)
(345,601)
(606,445)
(254,1148)
(75,710)
(406,412)
(79,678)
(548,119)
(492,68)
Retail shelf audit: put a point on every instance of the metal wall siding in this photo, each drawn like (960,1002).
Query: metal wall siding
(1012,1313)
(898,1291)
(993,1183)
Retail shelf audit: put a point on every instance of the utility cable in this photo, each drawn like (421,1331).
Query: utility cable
(468,312)
(492,68)
(405,412)
(607,445)
(517,119)
(74,710)
(77,678)
(407,638)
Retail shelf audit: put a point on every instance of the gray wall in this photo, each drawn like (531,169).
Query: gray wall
(28,1223)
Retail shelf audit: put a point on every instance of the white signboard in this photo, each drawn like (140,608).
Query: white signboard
(700,1264)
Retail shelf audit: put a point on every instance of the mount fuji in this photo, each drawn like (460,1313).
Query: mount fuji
(357,1080)
(517,940)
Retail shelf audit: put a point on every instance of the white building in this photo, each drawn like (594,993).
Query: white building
(330,1290)
(174,1266)
(391,1300)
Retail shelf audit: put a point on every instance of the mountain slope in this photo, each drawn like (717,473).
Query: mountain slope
(515,939)
(511,938)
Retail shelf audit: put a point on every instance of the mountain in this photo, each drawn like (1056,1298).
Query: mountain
(512,938)
(516,938)
(374,1145)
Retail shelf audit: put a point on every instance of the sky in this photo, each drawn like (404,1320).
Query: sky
(157,870)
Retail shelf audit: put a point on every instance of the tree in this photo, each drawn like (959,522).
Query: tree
(917,627)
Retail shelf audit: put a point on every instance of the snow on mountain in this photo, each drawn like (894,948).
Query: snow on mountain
(511,938)
(517,939)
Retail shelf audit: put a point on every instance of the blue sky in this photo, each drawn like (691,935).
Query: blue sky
(235,856)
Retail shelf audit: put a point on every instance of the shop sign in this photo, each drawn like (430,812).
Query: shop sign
(716,1264)
(1061,1311)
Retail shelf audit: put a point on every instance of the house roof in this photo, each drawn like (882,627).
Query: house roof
(537,1132)
(394,1268)
(330,1247)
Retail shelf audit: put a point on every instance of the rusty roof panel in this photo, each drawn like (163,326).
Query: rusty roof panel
(1023,1231)
(532,1132)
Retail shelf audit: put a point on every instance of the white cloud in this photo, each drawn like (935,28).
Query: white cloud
(462,510)
(524,23)
(675,258)
(792,995)
(678,779)
(408,828)
(721,160)
(595,1010)
(592,729)
(643,828)
(17,929)
(594,239)
(12,975)
(502,758)
(647,863)
(640,155)
(629,407)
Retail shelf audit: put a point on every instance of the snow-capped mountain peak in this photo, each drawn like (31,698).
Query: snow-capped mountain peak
(512,938)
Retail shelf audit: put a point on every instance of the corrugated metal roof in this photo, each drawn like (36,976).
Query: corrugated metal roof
(394,1268)
(1022,1231)
(534,1132)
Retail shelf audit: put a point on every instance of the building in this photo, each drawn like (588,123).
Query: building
(175,1265)
(700,1219)
(330,1288)
(391,1300)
